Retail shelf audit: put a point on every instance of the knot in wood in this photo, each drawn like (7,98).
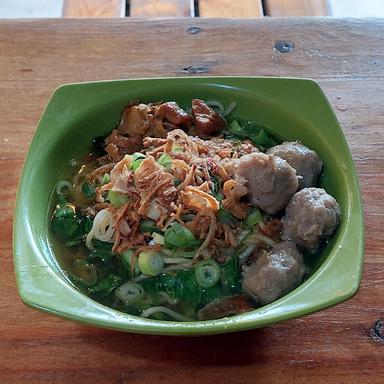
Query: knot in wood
(377,331)
(284,46)
(193,30)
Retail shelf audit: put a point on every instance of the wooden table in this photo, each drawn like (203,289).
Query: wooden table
(338,345)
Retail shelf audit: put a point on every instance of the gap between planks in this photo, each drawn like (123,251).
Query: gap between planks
(186,8)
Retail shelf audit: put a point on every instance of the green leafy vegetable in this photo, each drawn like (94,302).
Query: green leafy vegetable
(253,218)
(216,188)
(230,277)
(100,255)
(102,245)
(88,190)
(66,224)
(105,286)
(256,134)
(165,161)
(118,199)
(176,182)
(225,217)
(207,273)
(177,236)
(182,286)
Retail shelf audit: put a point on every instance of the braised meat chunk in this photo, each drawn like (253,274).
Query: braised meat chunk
(271,181)
(171,112)
(135,121)
(206,120)
(306,162)
(139,120)
(274,273)
(311,217)
(225,306)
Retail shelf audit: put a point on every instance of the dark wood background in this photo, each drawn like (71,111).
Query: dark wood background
(338,345)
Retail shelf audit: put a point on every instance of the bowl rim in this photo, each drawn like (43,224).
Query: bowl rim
(35,275)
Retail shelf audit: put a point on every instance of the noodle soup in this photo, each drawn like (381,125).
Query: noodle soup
(185,216)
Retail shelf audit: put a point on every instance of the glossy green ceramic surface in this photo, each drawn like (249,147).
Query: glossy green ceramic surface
(291,108)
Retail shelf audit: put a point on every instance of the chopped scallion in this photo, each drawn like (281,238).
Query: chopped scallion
(207,273)
(117,199)
(151,263)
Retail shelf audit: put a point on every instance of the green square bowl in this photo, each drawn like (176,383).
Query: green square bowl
(291,108)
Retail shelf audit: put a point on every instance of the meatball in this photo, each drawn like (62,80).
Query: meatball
(275,273)
(270,180)
(307,163)
(311,217)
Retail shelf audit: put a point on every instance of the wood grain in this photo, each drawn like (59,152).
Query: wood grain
(296,7)
(345,56)
(94,8)
(161,8)
(229,8)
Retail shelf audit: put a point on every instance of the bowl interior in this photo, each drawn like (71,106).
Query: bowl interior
(290,108)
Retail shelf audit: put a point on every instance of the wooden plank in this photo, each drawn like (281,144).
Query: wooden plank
(296,7)
(161,8)
(94,8)
(229,8)
(330,347)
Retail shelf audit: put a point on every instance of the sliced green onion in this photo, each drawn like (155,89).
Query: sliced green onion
(177,236)
(85,272)
(105,179)
(130,293)
(176,182)
(207,273)
(137,158)
(253,218)
(165,161)
(157,238)
(182,253)
(126,258)
(149,226)
(117,199)
(88,190)
(177,148)
(243,236)
(138,155)
(151,263)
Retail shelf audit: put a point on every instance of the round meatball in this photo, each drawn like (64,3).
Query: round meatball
(307,163)
(311,217)
(275,273)
(270,180)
